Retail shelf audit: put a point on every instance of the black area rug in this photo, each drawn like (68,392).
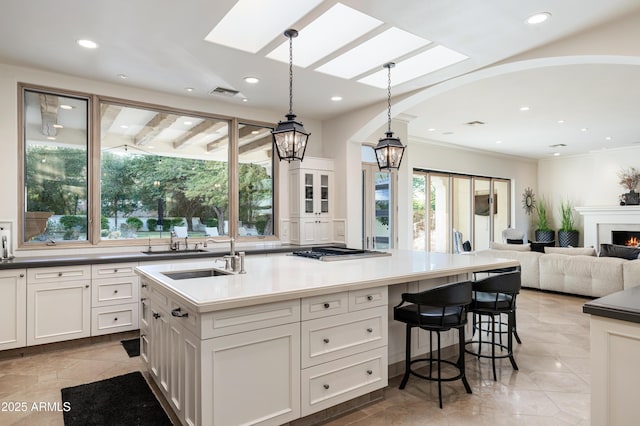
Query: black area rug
(123,400)
(132,347)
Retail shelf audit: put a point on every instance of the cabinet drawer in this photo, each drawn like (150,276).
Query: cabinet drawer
(153,292)
(109,270)
(230,321)
(326,385)
(113,319)
(368,298)
(67,273)
(322,306)
(114,291)
(326,339)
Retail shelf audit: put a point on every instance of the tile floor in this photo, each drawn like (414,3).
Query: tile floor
(551,387)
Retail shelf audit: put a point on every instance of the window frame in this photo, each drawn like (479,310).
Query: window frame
(94,103)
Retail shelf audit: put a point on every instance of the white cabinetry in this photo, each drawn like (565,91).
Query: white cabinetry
(115,300)
(13,307)
(311,201)
(58,304)
(344,347)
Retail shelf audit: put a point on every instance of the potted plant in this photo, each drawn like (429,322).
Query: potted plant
(567,235)
(543,232)
(630,178)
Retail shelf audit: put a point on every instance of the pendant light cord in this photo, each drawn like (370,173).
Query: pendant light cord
(290,74)
(389,97)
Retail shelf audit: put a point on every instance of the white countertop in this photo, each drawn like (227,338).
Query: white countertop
(284,277)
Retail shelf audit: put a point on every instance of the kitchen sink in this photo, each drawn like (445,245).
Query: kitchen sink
(199,273)
(175,251)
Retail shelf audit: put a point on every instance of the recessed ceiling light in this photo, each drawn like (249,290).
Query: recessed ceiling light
(431,130)
(336,98)
(124,126)
(335,28)
(538,18)
(389,44)
(88,44)
(252,80)
(151,146)
(524,108)
(51,138)
(608,138)
(232,30)
(188,123)
(255,132)
(421,64)
(560,121)
(584,129)
(556,154)
(58,126)
(65,106)
(245,99)
(189,89)
(498,142)
(122,76)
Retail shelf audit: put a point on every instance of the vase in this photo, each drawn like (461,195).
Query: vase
(632,198)
(545,236)
(568,238)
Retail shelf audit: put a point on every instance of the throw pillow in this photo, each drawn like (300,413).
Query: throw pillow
(516,247)
(623,252)
(572,251)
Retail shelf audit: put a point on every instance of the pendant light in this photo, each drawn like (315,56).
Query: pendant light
(289,136)
(389,149)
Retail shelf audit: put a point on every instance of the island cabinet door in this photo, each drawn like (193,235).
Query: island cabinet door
(13,308)
(252,377)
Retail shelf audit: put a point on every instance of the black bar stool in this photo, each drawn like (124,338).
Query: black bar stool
(436,310)
(494,296)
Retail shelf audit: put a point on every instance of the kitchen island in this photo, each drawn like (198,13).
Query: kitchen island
(615,351)
(291,338)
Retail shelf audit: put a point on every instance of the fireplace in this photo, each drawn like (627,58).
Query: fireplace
(626,238)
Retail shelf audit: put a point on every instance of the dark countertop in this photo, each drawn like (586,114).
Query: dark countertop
(623,305)
(87,259)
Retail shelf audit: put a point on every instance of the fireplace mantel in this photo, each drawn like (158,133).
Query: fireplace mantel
(599,221)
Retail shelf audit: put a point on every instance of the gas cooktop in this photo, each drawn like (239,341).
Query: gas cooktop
(328,254)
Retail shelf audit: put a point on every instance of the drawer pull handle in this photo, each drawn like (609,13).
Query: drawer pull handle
(177,313)
(327,306)
(370,330)
(369,297)
(326,340)
(326,386)
(369,372)
(142,299)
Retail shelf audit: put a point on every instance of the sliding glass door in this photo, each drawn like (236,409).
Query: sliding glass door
(377,218)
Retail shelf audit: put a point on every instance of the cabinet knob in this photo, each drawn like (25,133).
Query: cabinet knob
(326,340)
(156,315)
(115,319)
(326,386)
(115,270)
(369,297)
(86,286)
(369,372)
(59,274)
(142,299)
(327,306)
(115,291)
(21,275)
(144,286)
(370,330)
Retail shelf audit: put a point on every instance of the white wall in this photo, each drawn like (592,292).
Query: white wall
(10,76)
(585,180)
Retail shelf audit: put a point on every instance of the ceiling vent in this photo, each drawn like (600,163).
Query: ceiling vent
(223,91)
(475,123)
(558,145)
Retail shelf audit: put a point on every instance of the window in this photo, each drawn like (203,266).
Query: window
(56,140)
(152,171)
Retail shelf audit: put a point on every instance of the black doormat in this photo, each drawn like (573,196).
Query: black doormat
(132,347)
(123,400)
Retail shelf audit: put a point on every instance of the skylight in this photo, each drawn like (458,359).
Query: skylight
(386,46)
(332,30)
(244,27)
(421,64)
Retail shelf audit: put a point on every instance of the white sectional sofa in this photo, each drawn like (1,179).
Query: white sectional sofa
(569,270)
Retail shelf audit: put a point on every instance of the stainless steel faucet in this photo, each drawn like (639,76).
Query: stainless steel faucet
(234,261)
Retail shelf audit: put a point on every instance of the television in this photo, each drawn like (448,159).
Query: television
(481,204)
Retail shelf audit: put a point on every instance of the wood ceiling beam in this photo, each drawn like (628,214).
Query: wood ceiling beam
(108,114)
(153,127)
(49,114)
(255,145)
(205,126)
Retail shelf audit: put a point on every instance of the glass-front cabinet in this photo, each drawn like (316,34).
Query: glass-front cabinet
(310,192)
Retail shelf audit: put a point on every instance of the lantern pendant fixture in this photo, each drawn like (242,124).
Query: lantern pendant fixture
(389,150)
(289,136)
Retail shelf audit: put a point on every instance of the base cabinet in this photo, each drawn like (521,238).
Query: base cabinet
(260,367)
(13,308)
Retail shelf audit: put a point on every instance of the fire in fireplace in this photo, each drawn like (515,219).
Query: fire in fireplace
(626,238)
